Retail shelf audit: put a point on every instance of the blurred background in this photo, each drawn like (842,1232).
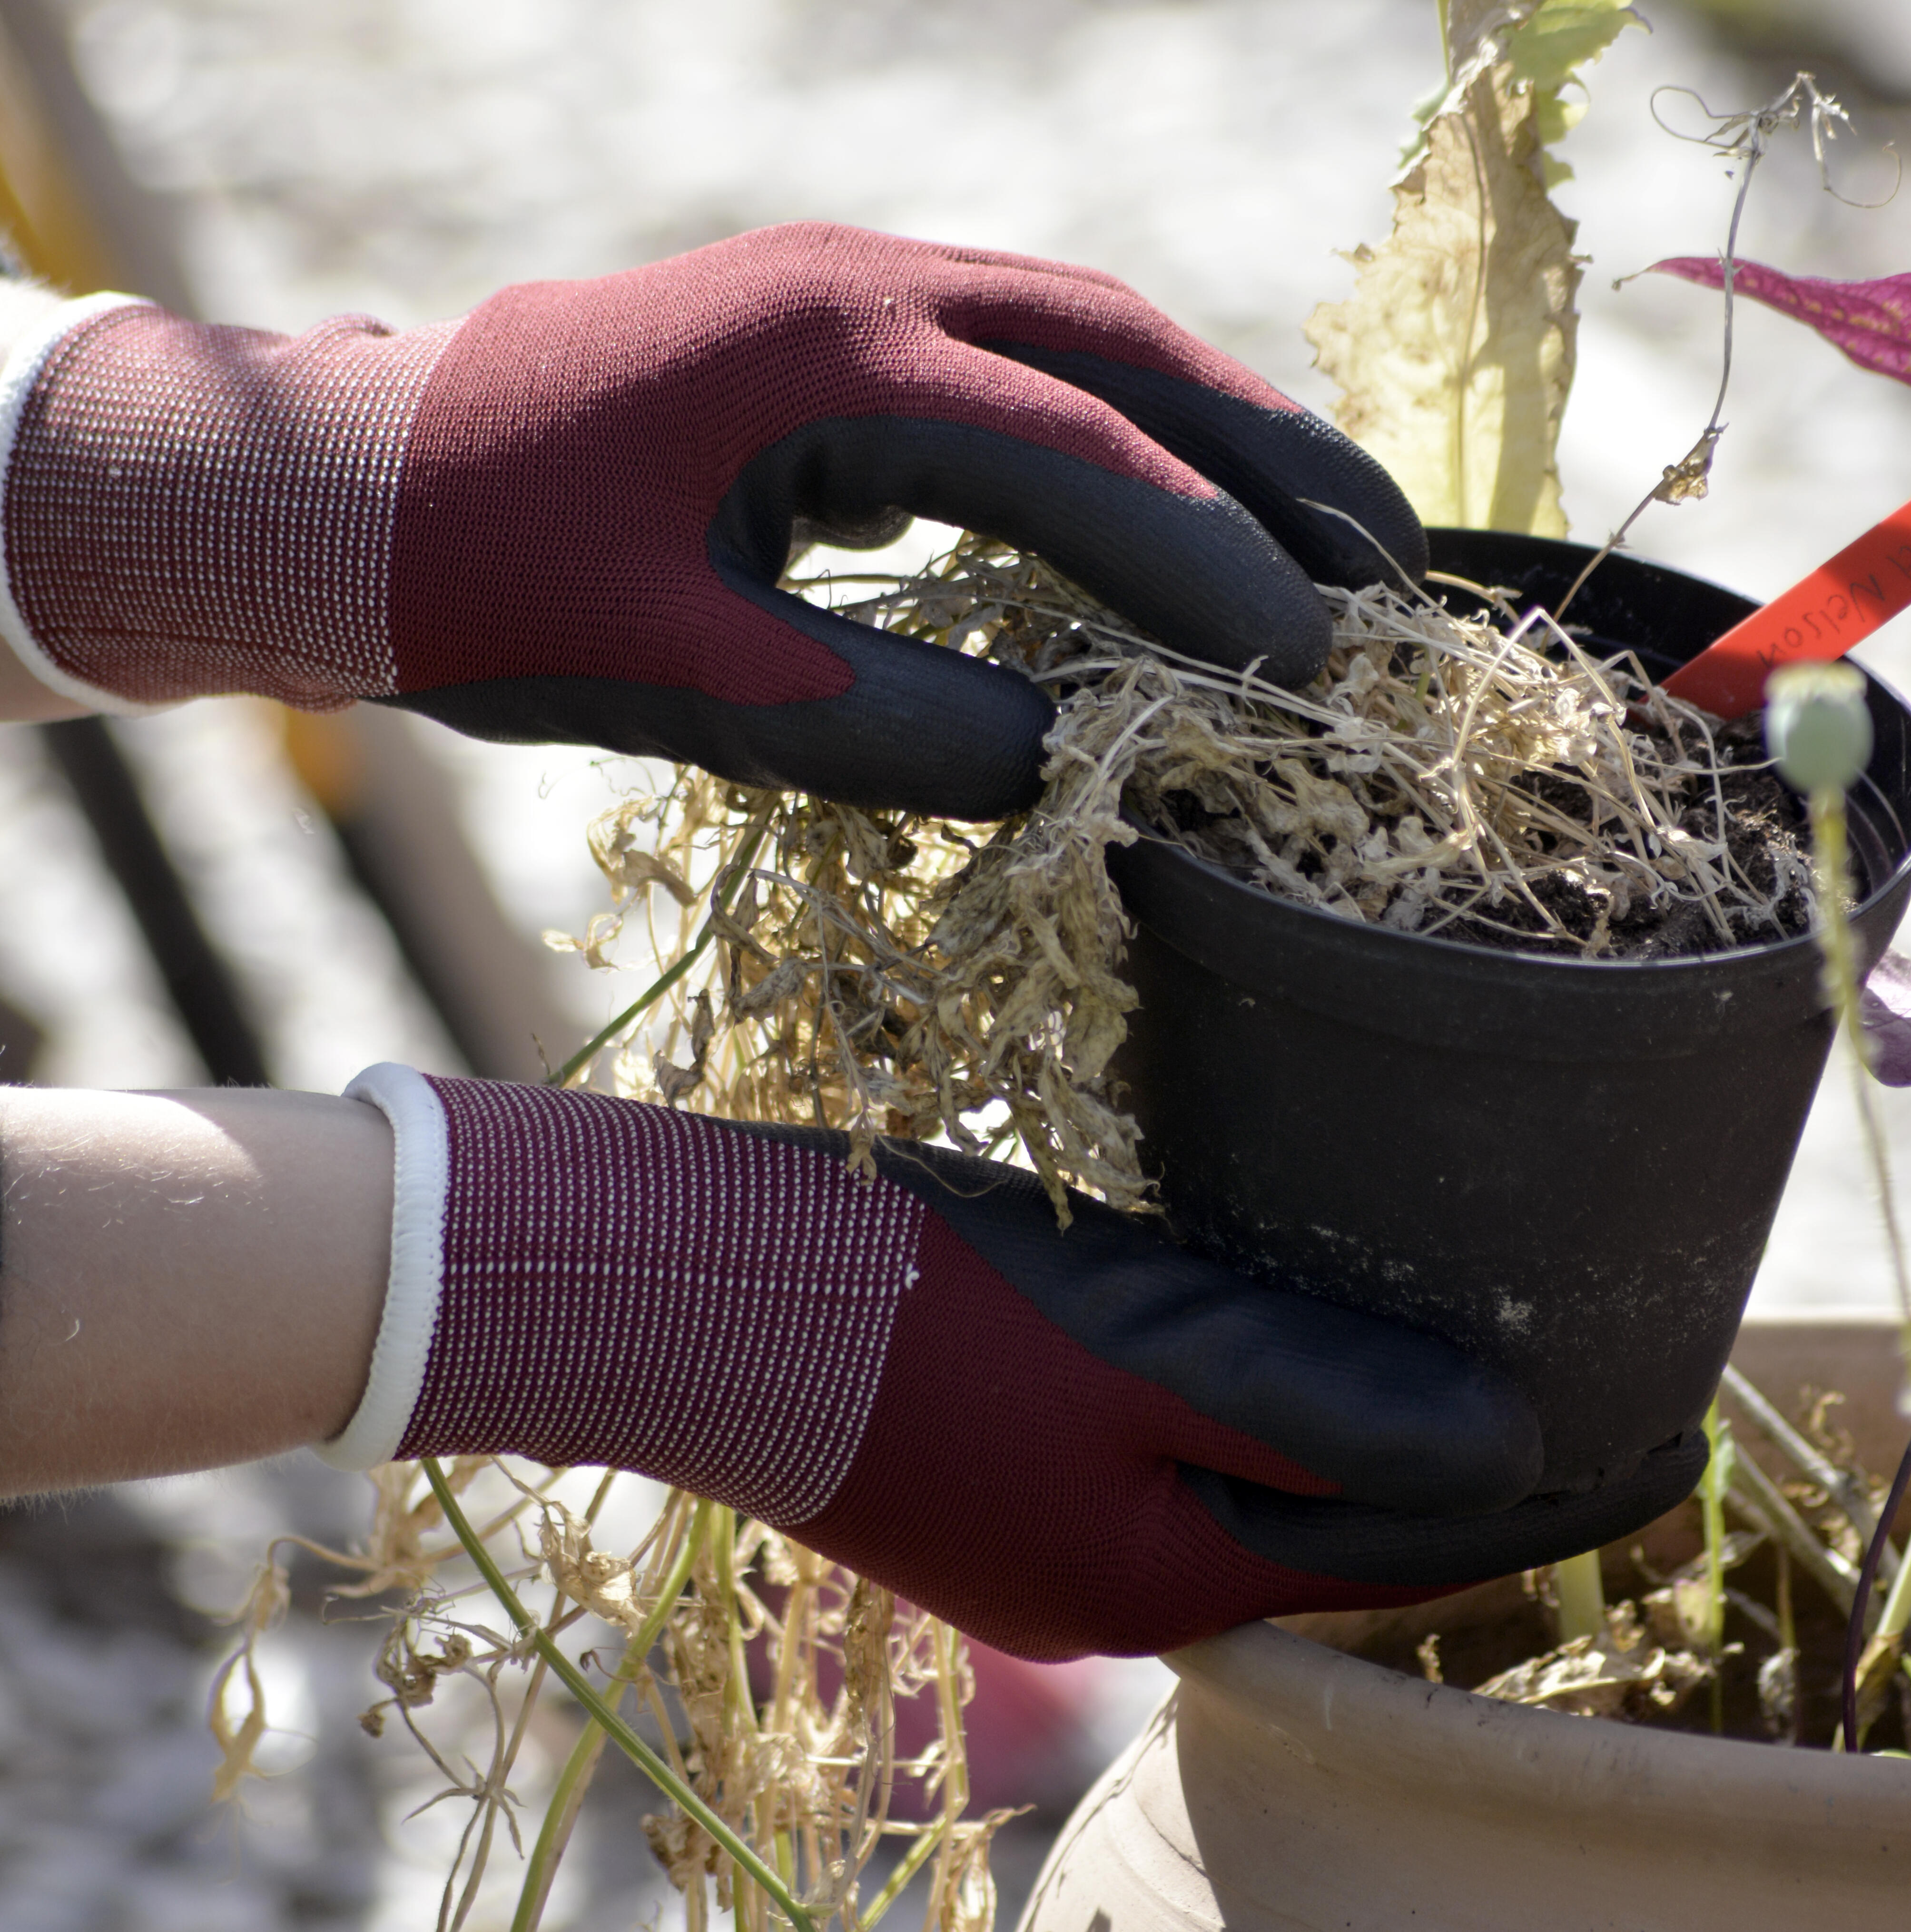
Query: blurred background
(292,900)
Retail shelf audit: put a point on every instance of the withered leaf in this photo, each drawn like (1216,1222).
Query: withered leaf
(1455,353)
(1624,1674)
(784,981)
(674,1081)
(621,842)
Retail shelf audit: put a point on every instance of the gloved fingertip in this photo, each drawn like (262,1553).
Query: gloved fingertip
(1477,1448)
(1379,545)
(1327,502)
(1208,580)
(921,729)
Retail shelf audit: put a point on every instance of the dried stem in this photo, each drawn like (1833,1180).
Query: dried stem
(1743,136)
(660,1774)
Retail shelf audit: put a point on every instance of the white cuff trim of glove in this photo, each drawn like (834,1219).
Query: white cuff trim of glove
(33,323)
(421,1177)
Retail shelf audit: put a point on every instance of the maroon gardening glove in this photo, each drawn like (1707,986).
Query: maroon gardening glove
(563,517)
(1063,1443)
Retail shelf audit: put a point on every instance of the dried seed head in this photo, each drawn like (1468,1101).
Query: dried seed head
(1818,725)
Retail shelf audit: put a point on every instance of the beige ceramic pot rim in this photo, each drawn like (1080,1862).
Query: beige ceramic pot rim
(1433,1739)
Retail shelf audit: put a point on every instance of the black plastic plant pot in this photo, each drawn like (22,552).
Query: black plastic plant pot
(1567,1167)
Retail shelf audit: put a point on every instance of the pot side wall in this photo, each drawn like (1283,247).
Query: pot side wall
(1567,1167)
(1591,1226)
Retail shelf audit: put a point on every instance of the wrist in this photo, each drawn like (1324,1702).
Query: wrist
(188,509)
(421,1178)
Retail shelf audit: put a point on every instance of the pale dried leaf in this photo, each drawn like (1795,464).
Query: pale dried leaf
(265,1604)
(606,1585)
(674,1081)
(623,844)
(1455,353)
(1778,1693)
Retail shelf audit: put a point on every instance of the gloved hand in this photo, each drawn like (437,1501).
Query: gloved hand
(1062,1443)
(563,517)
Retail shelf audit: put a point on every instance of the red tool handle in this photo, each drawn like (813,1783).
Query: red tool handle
(1843,601)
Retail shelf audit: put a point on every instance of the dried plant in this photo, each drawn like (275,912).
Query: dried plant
(1455,353)
(1471,776)
(1462,772)
(1819,1518)
(1627,1672)
(688,1627)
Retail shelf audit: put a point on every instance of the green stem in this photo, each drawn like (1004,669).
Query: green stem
(561,1814)
(733,876)
(724,1553)
(1829,837)
(1711,1501)
(919,1855)
(1897,1611)
(1828,843)
(581,1688)
(956,1756)
(1581,1593)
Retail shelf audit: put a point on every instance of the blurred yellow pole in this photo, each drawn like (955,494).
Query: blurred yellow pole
(41,209)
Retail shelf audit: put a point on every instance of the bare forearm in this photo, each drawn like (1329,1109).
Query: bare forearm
(24,699)
(186,1280)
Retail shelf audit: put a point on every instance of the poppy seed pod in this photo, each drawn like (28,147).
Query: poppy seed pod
(1818,726)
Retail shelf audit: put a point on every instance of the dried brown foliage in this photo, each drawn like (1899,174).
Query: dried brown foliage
(1479,777)
(806,1774)
(1626,1672)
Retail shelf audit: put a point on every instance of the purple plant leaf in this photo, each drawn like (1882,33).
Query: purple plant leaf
(1884,1009)
(1870,321)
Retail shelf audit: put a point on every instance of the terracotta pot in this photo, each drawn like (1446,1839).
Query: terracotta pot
(1285,1785)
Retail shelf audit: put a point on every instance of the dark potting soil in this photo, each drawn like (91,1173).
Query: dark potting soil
(1766,835)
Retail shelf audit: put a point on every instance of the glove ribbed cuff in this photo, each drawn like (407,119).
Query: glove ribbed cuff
(34,321)
(189,509)
(583,1280)
(421,1178)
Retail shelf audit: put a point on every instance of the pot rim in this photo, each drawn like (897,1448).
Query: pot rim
(1769,949)
(1400,941)
(1431,991)
(1332,1706)
(1429,988)
(1877,814)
